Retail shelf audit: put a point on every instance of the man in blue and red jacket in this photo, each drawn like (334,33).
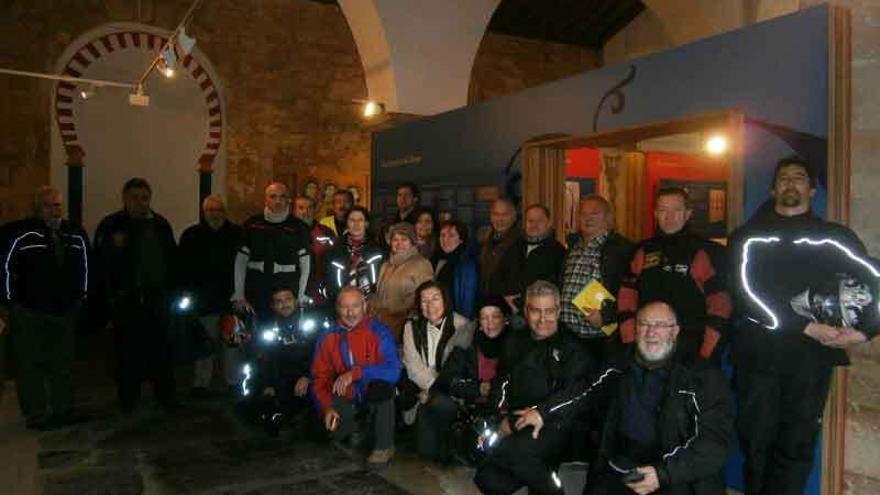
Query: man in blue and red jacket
(356,365)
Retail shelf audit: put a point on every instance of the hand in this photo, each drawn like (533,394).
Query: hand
(821,332)
(270,391)
(846,337)
(594,318)
(331,420)
(505,428)
(511,301)
(342,383)
(424,396)
(485,388)
(302,387)
(649,484)
(529,417)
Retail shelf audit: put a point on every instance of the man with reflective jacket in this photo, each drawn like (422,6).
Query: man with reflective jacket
(536,364)
(281,355)
(276,250)
(668,416)
(45,271)
(805,291)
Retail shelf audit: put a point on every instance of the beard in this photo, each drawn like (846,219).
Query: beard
(790,198)
(658,354)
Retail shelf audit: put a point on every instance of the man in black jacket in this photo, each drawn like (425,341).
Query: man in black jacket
(602,255)
(498,251)
(283,349)
(137,259)
(805,291)
(45,279)
(534,366)
(276,251)
(685,268)
(539,254)
(668,417)
(207,255)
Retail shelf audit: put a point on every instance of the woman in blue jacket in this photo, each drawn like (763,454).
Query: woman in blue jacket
(455,269)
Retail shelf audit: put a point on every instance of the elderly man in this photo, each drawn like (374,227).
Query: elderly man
(207,254)
(668,417)
(685,268)
(356,366)
(498,253)
(805,292)
(540,255)
(322,242)
(137,257)
(534,366)
(601,255)
(275,251)
(341,204)
(45,279)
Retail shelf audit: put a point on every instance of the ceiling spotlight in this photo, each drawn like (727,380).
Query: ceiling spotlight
(372,108)
(87,92)
(717,145)
(167,62)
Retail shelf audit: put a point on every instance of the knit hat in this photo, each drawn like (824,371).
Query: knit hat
(496,301)
(403,228)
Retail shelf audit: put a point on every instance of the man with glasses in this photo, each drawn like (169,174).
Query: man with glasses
(805,292)
(669,418)
(534,366)
(276,251)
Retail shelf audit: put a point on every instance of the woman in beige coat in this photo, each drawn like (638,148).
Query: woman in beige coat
(399,277)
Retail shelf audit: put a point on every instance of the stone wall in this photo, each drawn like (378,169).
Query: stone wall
(288,69)
(651,32)
(507,64)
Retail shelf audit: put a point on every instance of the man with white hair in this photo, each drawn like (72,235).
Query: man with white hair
(669,418)
(275,251)
(45,279)
(207,253)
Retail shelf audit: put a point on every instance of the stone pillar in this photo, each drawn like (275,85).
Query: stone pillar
(74,165)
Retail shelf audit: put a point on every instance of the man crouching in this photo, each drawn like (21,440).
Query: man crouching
(669,421)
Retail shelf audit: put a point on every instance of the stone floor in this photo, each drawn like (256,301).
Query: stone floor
(203,449)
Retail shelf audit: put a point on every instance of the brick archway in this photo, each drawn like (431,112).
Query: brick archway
(95,49)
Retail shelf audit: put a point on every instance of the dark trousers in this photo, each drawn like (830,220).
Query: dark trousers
(143,351)
(519,460)
(44,345)
(778,421)
(379,408)
(434,426)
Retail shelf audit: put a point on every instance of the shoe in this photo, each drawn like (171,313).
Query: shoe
(379,458)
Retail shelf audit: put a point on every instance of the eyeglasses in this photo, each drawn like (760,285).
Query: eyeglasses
(659,325)
(545,312)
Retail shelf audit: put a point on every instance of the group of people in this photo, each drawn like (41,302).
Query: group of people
(427,329)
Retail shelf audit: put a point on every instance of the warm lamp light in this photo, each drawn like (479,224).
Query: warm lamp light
(371,109)
(717,145)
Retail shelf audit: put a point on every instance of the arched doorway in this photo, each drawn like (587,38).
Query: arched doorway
(101,140)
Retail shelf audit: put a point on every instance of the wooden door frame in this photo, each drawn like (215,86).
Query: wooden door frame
(730,122)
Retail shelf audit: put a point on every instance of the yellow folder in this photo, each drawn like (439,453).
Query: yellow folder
(590,298)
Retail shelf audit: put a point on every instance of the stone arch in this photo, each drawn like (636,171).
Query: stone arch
(92,55)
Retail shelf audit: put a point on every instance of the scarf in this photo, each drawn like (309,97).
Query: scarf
(275,217)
